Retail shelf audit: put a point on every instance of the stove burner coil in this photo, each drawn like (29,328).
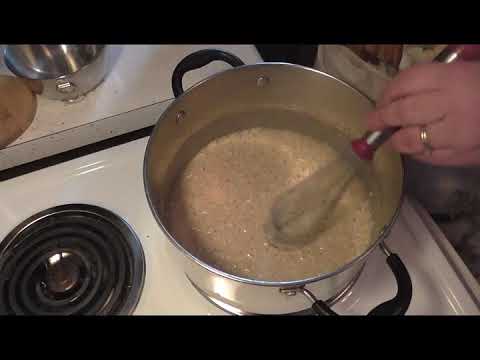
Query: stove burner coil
(71,260)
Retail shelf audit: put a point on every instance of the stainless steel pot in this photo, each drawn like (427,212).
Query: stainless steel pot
(214,108)
(61,72)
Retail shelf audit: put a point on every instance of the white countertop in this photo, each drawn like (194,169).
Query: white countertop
(140,79)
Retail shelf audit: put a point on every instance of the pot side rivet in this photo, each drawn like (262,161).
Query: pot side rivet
(263,81)
(180,116)
(288,292)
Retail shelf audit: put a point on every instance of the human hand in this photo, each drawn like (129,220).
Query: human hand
(442,99)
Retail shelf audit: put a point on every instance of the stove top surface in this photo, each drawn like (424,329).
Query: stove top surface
(112,180)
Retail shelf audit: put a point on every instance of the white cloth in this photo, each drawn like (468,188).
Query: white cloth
(344,64)
(369,79)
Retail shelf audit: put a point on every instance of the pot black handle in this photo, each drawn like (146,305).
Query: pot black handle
(197,60)
(398,305)
(320,307)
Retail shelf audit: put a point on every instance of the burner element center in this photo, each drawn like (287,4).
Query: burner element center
(63,272)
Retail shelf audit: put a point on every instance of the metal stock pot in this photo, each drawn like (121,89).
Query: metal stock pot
(212,109)
(59,72)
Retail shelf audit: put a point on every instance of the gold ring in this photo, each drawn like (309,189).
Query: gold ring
(424,138)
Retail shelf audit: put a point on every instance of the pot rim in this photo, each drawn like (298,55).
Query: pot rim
(291,283)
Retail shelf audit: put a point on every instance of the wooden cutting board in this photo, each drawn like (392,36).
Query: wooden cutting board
(18,106)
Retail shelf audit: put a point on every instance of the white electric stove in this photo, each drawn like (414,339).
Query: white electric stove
(112,179)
